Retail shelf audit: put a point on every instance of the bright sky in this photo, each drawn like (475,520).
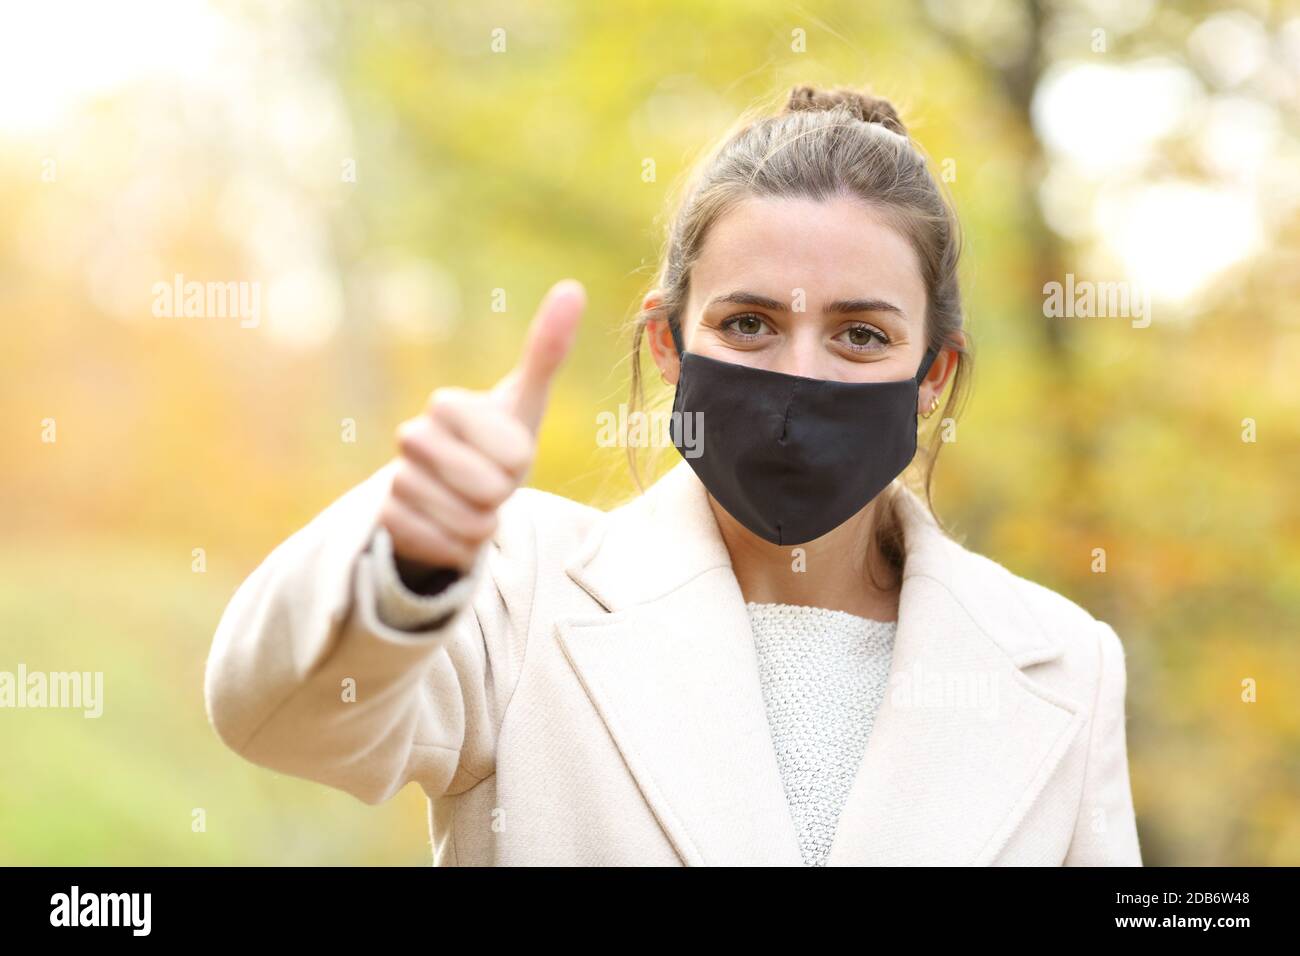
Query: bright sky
(1109,126)
(57,54)
(1105,123)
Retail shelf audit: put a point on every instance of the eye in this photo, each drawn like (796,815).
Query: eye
(863,338)
(748,325)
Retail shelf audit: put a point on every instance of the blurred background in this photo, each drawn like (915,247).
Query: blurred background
(399,183)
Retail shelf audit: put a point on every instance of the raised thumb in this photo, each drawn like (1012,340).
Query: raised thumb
(550,336)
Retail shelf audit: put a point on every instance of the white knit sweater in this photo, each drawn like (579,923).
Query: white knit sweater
(823,675)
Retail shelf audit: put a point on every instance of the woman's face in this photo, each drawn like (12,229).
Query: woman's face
(825,290)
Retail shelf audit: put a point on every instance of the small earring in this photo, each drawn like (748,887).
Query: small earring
(934,403)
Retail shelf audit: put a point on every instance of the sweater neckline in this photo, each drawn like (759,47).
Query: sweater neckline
(806,610)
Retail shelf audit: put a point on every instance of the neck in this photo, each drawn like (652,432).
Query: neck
(833,571)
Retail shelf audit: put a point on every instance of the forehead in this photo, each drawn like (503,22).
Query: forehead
(840,247)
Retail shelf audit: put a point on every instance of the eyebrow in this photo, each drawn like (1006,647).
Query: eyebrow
(839,305)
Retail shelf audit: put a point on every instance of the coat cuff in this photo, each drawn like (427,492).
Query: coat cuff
(398,607)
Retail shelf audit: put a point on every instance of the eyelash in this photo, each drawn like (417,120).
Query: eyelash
(729,325)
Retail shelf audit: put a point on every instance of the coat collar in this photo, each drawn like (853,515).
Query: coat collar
(962,744)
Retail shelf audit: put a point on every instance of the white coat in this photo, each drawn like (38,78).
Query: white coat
(594,697)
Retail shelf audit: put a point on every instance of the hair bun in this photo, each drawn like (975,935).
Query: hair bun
(862,106)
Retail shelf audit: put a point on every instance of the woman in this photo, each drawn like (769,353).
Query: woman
(775,655)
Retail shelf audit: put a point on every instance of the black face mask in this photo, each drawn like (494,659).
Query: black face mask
(789,457)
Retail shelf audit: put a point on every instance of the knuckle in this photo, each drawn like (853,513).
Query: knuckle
(483,525)
(391,517)
(403,483)
(433,547)
(452,546)
(519,452)
(407,436)
(444,401)
(494,486)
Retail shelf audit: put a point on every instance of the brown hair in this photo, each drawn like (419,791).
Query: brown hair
(822,144)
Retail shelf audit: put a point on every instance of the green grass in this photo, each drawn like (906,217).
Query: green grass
(121,789)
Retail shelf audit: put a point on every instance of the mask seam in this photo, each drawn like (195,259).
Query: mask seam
(789,404)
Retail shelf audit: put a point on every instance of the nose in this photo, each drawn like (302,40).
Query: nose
(803,354)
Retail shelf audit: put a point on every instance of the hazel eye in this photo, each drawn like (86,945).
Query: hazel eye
(863,338)
(746,326)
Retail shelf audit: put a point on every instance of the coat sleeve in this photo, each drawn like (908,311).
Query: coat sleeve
(1106,831)
(305,678)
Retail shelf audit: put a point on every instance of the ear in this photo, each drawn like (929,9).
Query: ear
(941,370)
(660,338)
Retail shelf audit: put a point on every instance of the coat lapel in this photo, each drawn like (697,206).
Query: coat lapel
(673,673)
(961,746)
(965,739)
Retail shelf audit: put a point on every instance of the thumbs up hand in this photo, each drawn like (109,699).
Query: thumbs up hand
(467,452)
